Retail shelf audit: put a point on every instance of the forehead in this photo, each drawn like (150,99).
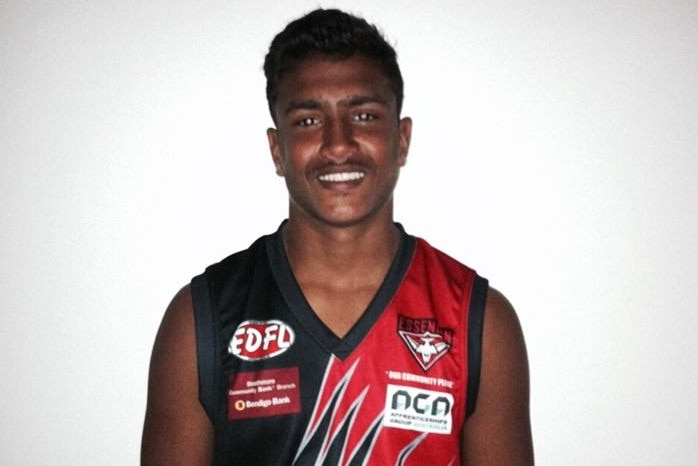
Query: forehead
(324,79)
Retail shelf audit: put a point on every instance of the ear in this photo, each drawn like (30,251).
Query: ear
(275,149)
(405,130)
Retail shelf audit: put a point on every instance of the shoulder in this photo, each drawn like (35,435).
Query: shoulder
(176,331)
(174,350)
(501,322)
(176,429)
(504,356)
(180,309)
(499,430)
(174,338)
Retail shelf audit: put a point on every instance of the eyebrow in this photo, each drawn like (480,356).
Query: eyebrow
(352,101)
(302,105)
(355,101)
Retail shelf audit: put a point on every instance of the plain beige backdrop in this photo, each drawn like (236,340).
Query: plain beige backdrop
(554,150)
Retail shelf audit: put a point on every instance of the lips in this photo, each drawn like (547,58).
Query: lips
(341,177)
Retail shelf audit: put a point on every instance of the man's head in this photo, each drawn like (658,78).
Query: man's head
(332,35)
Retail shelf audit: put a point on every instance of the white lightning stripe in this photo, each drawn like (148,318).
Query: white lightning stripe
(376,422)
(405,453)
(351,413)
(315,418)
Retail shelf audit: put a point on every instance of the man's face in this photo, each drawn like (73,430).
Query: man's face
(338,143)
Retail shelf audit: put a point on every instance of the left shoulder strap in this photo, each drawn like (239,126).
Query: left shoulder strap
(476,315)
(206,343)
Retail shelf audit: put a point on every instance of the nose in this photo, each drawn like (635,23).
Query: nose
(338,140)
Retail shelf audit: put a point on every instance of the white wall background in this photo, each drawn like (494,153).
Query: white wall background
(555,150)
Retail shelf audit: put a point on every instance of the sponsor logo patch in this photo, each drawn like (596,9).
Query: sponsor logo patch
(264,393)
(254,340)
(425,339)
(418,409)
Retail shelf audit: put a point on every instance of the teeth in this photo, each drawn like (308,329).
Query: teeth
(339,177)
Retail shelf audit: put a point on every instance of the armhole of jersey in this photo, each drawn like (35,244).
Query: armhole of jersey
(476,314)
(206,347)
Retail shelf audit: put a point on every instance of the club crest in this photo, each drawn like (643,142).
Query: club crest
(426,341)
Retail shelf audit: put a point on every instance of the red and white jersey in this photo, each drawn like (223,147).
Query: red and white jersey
(281,388)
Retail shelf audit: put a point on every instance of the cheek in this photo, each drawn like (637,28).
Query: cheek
(395,152)
(293,163)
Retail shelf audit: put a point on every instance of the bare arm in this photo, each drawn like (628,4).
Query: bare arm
(177,430)
(499,431)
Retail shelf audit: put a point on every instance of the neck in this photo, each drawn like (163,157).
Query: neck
(340,254)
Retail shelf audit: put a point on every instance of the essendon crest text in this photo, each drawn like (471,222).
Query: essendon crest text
(425,339)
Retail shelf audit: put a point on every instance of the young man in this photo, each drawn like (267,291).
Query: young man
(339,339)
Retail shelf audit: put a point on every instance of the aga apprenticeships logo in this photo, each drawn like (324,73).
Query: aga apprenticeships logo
(425,339)
(254,340)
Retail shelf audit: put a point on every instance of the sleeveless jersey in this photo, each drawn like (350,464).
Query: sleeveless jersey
(282,389)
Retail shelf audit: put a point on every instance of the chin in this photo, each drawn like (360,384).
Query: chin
(345,219)
(340,221)
(344,215)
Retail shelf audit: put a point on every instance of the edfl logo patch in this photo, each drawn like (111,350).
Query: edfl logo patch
(254,340)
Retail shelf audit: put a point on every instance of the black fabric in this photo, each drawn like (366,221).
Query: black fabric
(206,334)
(476,316)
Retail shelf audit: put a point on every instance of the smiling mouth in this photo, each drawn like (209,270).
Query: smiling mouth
(341,177)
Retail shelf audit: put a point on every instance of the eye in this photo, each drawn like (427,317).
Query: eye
(365,116)
(308,121)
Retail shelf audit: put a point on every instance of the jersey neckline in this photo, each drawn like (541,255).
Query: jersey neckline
(341,347)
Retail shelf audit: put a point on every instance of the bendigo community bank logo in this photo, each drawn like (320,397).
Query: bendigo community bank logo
(254,340)
(425,339)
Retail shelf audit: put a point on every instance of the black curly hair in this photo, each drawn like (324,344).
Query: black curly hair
(331,34)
